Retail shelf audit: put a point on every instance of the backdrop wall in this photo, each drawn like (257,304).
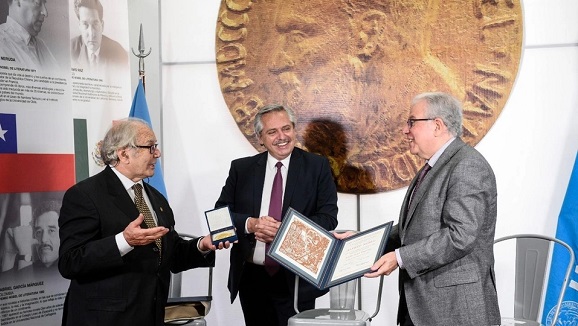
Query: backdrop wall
(531,147)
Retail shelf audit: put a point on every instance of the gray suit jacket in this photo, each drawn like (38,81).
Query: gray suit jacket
(445,241)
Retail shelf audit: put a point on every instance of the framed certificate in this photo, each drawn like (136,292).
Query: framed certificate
(221,225)
(317,256)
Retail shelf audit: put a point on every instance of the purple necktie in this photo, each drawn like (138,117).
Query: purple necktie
(422,174)
(420,178)
(275,208)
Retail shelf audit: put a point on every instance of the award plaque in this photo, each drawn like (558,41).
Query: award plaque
(220,225)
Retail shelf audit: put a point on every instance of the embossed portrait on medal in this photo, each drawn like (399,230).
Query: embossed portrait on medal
(349,69)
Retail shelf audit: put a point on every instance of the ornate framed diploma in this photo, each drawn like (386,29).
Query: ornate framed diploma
(220,225)
(318,257)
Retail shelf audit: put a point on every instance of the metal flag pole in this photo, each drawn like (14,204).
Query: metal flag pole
(141,55)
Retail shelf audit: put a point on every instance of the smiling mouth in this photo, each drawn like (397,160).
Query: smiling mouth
(281,143)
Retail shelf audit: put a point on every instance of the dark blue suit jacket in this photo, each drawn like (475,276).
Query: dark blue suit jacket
(309,189)
(105,288)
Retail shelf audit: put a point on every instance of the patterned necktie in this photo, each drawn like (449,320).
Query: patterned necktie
(275,208)
(144,210)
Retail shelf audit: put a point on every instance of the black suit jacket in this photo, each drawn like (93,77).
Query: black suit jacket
(105,288)
(309,189)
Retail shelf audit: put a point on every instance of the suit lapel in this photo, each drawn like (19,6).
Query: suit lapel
(450,151)
(295,165)
(258,181)
(119,195)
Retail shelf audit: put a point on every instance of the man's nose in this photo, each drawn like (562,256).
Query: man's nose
(280,61)
(44,10)
(44,238)
(405,129)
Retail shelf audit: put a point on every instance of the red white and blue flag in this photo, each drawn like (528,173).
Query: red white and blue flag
(22,171)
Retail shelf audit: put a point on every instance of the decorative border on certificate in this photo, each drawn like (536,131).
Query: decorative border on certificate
(302,246)
(220,225)
(316,255)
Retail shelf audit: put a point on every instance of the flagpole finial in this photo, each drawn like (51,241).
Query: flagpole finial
(141,55)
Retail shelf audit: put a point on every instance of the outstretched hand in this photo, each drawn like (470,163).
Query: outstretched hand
(207,244)
(384,265)
(137,236)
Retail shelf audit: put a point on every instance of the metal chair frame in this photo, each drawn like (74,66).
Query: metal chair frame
(296,297)
(568,270)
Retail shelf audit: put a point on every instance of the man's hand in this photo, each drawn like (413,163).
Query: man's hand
(207,244)
(264,227)
(343,235)
(137,236)
(23,239)
(384,265)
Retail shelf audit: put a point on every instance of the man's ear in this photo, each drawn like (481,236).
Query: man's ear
(122,155)
(440,126)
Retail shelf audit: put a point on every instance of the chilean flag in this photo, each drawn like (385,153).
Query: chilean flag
(30,172)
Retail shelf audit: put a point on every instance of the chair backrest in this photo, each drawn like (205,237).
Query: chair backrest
(532,257)
(342,296)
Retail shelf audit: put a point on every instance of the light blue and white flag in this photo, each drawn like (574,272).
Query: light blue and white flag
(140,109)
(567,231)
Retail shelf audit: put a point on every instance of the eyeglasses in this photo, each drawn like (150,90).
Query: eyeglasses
(151,148)
(411,122)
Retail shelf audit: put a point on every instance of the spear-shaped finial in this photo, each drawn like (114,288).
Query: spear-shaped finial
(141,55)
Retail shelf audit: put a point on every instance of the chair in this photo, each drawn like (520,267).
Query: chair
(532,256)
(187,310)
(341,312)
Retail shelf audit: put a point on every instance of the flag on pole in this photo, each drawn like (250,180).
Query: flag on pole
(567,231)
(140,109)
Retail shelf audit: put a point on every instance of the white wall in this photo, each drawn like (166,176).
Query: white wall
(531,147)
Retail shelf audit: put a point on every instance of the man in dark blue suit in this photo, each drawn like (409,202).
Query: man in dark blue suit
(308,187)
(119,272)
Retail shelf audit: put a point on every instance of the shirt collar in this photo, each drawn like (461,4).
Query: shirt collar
(271,161)
(439,153)
(19,31)
(126,182)
(96,53)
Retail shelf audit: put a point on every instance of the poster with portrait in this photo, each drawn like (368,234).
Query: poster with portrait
(31,289)
(99,69)
(52,114)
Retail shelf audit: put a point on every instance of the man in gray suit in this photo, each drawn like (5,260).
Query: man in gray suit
(444,239)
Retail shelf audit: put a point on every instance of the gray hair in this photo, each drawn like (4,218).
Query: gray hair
(443,106)
(122,134)
(258,122)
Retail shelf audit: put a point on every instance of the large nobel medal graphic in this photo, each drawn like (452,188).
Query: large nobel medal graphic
(350,68)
